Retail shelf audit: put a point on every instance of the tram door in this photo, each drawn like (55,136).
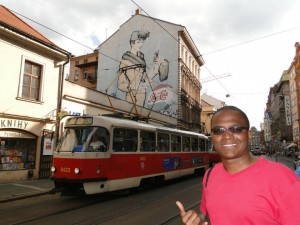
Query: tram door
(46,154)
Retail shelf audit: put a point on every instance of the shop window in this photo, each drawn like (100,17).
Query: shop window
(31,82)
(17,153)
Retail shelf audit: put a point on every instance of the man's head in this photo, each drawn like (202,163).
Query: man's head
(233,108)
(230,132)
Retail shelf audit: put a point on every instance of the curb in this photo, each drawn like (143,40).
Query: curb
(22,196)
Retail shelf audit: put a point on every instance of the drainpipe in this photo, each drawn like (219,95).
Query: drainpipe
(59,99)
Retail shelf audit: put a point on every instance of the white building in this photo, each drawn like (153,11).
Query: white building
(31,68)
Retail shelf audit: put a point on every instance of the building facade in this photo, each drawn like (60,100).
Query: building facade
(84,69)
(155,66)
(209,107)
(278,119)
(294,72)
(31,66)
(255,141)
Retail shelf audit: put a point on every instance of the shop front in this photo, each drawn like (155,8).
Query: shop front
(20,149)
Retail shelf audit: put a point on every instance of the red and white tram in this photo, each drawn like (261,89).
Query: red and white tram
(127,154)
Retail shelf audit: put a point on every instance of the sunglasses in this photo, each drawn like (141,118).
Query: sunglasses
(233,130)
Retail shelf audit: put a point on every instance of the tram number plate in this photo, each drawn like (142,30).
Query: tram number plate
(65,170)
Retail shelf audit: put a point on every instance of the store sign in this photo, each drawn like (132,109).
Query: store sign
(287,104)
(10,123)
(14,134)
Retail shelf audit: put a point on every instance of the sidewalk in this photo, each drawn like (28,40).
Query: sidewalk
(24,189)
(287,161)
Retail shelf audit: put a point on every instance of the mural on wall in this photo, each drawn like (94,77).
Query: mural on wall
(143,74)
(133,78)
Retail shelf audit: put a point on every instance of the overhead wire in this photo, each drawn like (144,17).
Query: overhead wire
(211,52)
(60,34)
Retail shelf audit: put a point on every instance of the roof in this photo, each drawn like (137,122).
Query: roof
(9,20)
(212,101)
(181,29)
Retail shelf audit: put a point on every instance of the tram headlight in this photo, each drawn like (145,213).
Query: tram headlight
(77,171)
(98,168)
(53,169)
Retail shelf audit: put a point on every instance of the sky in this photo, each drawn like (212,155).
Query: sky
(246,45)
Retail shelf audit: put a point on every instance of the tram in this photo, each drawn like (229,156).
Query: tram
(100,154)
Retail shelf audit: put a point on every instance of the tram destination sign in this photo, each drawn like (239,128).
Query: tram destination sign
(80,121)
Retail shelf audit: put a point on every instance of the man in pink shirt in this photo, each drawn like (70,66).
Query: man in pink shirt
(243,189)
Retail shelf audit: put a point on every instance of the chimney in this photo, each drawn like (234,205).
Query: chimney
(138,11)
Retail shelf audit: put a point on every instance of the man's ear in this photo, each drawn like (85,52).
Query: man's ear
(249,135)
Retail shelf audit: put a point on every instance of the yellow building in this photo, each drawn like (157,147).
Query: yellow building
(294,72)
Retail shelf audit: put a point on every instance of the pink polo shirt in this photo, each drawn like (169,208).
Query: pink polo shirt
(266,193)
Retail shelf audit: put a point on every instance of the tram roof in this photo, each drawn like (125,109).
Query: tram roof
(123,122)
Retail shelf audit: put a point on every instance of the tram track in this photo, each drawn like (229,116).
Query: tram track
(175,217)
(133,207)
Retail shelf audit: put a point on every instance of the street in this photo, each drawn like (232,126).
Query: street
(149,207)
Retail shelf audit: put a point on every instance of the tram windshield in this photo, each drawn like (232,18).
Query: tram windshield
(83,139)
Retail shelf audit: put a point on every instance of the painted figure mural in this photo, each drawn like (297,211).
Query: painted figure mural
(142,71)
(133,77)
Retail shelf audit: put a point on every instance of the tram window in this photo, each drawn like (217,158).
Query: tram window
(163,142)
(74,139)
(202,145)
(125,140)
(186,144)
(99,140)
(147,140)
(175,143)
(194,144)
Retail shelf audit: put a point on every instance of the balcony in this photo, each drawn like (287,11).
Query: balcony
(92,77)
(87,64)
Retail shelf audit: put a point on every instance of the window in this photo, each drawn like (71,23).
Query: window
(147,140)
(17,153)
(186,144)
(76,76)
(194,144)
(125,140)
(32,81)
(85,73)
(175,143)
(163,142)
(99,140)
(202,145)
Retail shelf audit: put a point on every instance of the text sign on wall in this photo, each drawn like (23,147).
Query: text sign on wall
(287,104)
